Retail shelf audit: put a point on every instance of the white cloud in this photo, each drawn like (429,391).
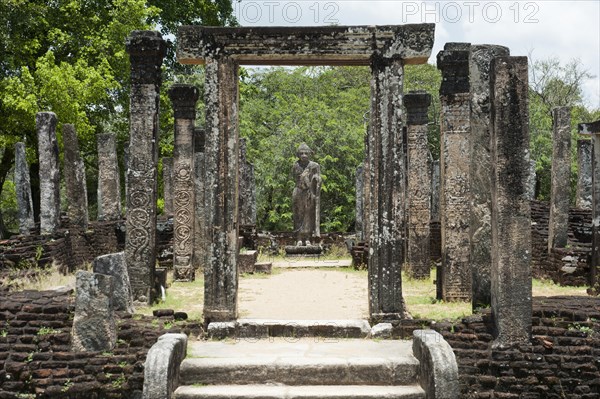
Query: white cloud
(565,29)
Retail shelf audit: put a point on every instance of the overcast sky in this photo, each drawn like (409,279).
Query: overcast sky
(565,29)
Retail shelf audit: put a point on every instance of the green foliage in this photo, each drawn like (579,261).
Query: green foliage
(326,107)
(552,84)
(69,57)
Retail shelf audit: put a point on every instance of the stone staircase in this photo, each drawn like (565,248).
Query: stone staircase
(307,368)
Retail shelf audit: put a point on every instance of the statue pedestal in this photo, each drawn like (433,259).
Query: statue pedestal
(303,250)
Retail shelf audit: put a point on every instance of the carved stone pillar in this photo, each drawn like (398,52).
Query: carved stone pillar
(221,201)
(146,51)
(480,172)
(49,172)
(184,98)
(594,130)
(584,176)
(455,208)
(386,166)
(511,213)
(558,225)
(23,190)
(109,186)
(419,185)
(75,179)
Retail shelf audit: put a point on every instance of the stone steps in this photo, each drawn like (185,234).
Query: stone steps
(299,392)
(310,367)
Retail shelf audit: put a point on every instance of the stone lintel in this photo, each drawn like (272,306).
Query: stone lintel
(589,128)
(146,51)
(453,61)
(306,45)
(417,104)
(184,98)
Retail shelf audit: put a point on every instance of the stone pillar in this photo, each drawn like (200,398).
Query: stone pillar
(480,172)
(146,51)
(94,324)
(558,225)
(594,130)
(200,233)
(435,190)
(419,185)
(114,265)
(221,201)
(49,172)
(167,174)
(247,190)
(109,186)
(584,175)
(23,190)
(75,179)
(387,192)
(359,209)
(531,180)
(511,213)
(184,98)
(455,207)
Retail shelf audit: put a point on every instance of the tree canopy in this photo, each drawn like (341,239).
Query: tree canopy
(68,56)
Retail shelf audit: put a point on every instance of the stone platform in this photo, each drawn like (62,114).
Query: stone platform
(300,368)
(311,263)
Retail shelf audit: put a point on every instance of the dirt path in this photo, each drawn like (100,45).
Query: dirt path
(304,294)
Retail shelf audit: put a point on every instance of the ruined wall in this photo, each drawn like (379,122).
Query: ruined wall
(35,356)
(69,248)
(566,266)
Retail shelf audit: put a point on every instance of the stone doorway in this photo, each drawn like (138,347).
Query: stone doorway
(386,49)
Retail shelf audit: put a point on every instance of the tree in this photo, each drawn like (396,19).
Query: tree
(553,84)
(326,107)
(68,56)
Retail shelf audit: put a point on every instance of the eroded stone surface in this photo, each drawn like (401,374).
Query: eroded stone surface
(200,226)
(584,175)
(109,187)
(184,98)
(23,190)
(74,171)
(94,324)
(318,45)
(114,265)
(455,207)
(480,172)
(419,185)
(511,213)
(561,172)
(49,172)
(306,197)
(146,51)
(247,196)
(167,174)
(221,195)
(359,209)
(593,129)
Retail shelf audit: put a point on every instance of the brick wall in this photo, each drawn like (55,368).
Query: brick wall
(35,356)
(565,266)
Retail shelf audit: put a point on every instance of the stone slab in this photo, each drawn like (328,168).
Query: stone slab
(314,45)
(300,362)
(312,263)
(301,392)
(262,328)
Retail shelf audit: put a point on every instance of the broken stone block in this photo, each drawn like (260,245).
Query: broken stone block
(114,265)
(94,325)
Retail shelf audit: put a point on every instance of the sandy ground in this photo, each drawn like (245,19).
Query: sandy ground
(304,294)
